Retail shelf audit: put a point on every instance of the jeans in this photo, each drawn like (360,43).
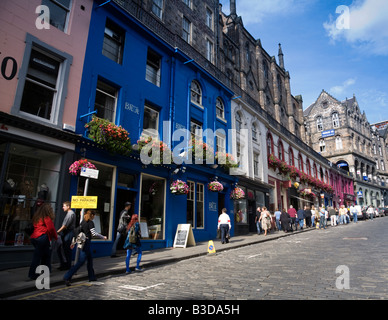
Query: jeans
(301,223)
(84,255)
(322,222)
(258,226)
(118,236)
(278,224)
(333,220)
(42,255)
(128,258)
(66,242)
(355,219)
(224,231)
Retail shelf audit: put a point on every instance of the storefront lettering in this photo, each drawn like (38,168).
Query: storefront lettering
(9,62)
(131,107)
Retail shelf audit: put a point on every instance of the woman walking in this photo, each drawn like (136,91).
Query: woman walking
(265,219)
(133,242)
(85,254)
(44,232)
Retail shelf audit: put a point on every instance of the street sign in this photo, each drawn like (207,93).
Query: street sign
(84,202)
(89,173)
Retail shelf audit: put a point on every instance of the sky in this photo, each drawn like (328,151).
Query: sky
(340,46)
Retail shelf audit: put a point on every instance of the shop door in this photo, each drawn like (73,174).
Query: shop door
(121,198)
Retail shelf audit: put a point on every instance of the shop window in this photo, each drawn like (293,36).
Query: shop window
(59,12)
(31,177)
(102,188)
(240,210)
(152,205)
(113,45)
(200,205)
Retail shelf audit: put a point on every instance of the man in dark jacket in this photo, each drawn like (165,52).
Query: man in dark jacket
(125,217)
(300,216)
(285,220)
(307,216)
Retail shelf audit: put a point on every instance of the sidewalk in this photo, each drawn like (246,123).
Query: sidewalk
(15,281)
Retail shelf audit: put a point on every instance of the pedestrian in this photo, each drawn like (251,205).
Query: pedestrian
(125,218)
(66,232)
(333,217)
(265,219)
(292,213)
(224,225)
(277,219)
(285,220)
(44,232)
(342,214)
(307,214)
(322,218)
(85,254)
(133,242)
(370,212)
(353,212)
(258,214)
(301,217)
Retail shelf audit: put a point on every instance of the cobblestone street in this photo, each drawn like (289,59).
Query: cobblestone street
(299,267)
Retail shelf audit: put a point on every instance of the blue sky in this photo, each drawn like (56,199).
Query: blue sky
(343,52)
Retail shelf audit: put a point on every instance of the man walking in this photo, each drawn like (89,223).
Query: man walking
(292,213)
(66,231)
(277,218)
(125,217)
(224,225)
(300,216)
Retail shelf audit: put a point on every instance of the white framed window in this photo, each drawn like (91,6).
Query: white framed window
(209,50)
(336,122)
(209,18)
(150,120)
(153,68)
(190,203)
(200,206)
(186,29)
(254,132)
(322,145)
(220,109)
(196,130)
(113,45)
(238,122)
(157,8)
(59,13)
(196,93)
(105,102)
(255,164)
(220,143)
(195,205)
(319,124)
(382,165)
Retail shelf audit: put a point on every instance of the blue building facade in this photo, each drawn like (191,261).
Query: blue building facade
(138,81)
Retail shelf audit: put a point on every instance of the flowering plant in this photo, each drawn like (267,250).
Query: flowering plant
(201,150)
(226,160)
(156,151)
(283,167)
(307,192)
(76,166)
(113,138)
(179,187)
(237,193)
(215,186)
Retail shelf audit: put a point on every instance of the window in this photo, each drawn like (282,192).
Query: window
(255,164)
(42,88)
(59,12)
(254,132)
(209,50)
(196,93)
(300,162)
(220,143)
(157,8)
(195,205)
(220,110)
(209,18)
(238,122)
(105,103)
(338,143)
(187,2)
(153,68)
(382,165)
(280,150)
(319,124)
(291,160)
(113,44)
(336,122)
(186,29)
(322,145)
(150,120)
(270,149)
(196,130)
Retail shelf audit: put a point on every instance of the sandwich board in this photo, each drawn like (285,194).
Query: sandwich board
(184,236)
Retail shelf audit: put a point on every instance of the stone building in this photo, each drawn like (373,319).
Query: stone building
(339,131)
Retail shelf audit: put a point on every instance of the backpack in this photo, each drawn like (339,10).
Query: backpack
(132,235)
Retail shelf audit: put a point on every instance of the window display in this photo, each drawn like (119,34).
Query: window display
(31,178)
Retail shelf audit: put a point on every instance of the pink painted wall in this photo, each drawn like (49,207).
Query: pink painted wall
(17,18)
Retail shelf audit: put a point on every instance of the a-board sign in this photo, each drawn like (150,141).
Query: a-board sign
(84,202)
(184,236)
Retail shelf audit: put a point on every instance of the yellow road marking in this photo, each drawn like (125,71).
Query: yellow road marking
(55,290)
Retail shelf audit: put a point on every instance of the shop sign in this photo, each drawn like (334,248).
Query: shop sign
(81,202)
(89,173)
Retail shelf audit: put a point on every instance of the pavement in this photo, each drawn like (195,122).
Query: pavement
(15,281)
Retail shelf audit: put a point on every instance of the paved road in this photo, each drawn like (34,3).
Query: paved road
(343,262)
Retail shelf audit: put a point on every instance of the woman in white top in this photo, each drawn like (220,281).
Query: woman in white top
(224,225)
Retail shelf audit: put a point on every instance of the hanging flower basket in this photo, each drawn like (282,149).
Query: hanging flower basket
(179,187)
(226,160)
(109,136)
(75,168)
(237,194)
(201,151)
(215,186)
(155,151)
